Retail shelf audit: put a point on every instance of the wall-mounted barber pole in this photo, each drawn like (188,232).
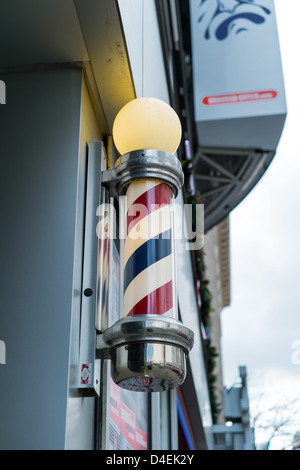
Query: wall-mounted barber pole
(148,345)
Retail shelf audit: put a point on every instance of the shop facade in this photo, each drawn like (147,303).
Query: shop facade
(68,69)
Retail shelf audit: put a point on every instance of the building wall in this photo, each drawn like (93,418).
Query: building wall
(143,41)
(217,253)
(40,127)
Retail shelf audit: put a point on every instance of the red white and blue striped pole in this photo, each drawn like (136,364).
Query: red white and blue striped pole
(148,250)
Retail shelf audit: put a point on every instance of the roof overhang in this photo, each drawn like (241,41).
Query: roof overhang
(36,33)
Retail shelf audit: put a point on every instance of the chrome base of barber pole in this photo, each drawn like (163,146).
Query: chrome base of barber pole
(148,352)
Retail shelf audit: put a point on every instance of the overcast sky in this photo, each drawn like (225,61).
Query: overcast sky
(262,325)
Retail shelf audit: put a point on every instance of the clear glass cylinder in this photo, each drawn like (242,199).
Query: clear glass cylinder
(147,264)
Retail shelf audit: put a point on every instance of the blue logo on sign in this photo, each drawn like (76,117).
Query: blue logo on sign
(230,10)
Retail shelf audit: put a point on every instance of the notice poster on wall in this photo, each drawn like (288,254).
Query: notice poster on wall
(127,419)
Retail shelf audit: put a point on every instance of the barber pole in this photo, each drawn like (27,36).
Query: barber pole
(147,345)
(148,250)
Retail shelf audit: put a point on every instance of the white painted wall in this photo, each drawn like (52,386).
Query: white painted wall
(144,48)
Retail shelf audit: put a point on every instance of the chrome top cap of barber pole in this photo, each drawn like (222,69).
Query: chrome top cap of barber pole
(149,164)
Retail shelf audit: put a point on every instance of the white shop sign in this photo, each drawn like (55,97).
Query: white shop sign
(239,97)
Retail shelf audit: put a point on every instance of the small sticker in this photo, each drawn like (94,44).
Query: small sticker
(86,374)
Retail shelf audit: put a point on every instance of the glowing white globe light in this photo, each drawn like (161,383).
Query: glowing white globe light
(147,123)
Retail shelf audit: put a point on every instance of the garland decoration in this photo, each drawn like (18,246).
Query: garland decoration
(205,309)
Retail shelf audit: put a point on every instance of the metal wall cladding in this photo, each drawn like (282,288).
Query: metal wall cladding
(239,96)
